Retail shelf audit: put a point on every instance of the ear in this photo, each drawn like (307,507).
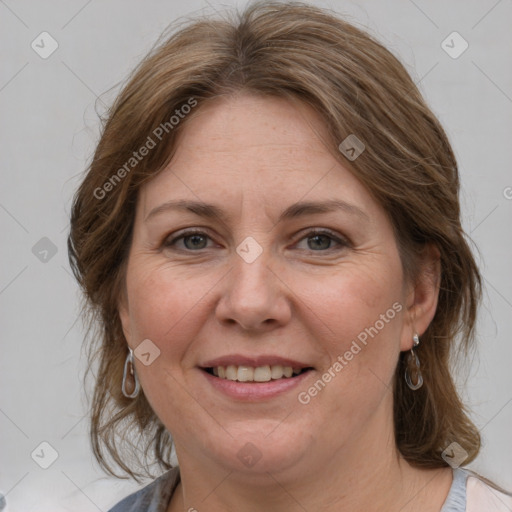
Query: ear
(422,296)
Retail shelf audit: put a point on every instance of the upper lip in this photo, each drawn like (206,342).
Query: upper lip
(253,361)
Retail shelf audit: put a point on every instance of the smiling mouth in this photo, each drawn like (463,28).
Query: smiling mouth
(256,374)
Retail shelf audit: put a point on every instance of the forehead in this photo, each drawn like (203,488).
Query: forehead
(247,148)
(267,130)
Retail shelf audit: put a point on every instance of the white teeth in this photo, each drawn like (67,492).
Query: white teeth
(258,374)
(231,372)
(262,374)
(245,374)
(276,371)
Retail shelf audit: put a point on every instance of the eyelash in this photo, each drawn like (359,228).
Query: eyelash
(343,243)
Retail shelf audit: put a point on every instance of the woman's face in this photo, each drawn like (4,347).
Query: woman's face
(256,291)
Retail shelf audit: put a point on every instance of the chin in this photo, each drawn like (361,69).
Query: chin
(257,450)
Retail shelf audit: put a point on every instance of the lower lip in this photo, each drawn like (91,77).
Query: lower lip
(253,391)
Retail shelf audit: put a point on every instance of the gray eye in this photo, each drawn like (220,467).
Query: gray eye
(319,242)
(196,241)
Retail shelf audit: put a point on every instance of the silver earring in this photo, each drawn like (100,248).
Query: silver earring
(129,373)
(413,366)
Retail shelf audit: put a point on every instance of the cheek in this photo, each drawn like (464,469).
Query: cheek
(362,318)
(361,310)
(357,301)
(165,308)
(162,301)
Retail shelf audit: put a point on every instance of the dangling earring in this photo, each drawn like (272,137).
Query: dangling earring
(129,373)
(413,367)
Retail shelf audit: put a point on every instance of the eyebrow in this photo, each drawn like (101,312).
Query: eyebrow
(293,211)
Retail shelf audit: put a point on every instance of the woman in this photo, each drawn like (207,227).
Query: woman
(269,235)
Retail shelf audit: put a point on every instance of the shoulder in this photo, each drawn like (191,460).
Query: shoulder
(484,497)
(472,493)
(154,497)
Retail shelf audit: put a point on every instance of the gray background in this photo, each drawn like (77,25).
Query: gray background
(49,128)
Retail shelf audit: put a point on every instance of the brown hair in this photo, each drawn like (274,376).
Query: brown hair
(303,53)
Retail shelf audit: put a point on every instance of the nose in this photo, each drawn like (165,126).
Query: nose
(254,296)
